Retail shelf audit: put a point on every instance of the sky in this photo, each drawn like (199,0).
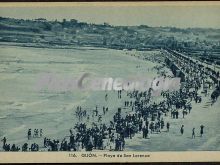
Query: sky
(175,16)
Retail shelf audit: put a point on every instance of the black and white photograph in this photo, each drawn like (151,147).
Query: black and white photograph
(109,78)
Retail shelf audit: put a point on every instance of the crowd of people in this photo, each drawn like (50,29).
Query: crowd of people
(37,133)
(146,116)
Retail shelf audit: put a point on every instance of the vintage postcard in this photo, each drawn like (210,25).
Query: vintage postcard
(110,82)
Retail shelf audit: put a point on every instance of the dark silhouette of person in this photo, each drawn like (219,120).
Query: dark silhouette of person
(168,126)
(201,130)
(193,133)
(182,129)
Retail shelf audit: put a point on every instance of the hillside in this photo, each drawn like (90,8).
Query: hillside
(197,42)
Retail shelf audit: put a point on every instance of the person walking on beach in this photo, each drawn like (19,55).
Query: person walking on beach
(168,126)
(4,142)
(182,129)
(119,94)
(193,133)
(29,134)
(41,132)
(201,130)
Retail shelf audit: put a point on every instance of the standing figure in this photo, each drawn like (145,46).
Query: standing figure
(29,134)
(36,133)
(182,129)
(168,126)
(41,132)
(193,133)
(103,110)
(201,130)
(4,142)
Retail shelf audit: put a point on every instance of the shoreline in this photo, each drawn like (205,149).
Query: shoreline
(68,46)
(52,46)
